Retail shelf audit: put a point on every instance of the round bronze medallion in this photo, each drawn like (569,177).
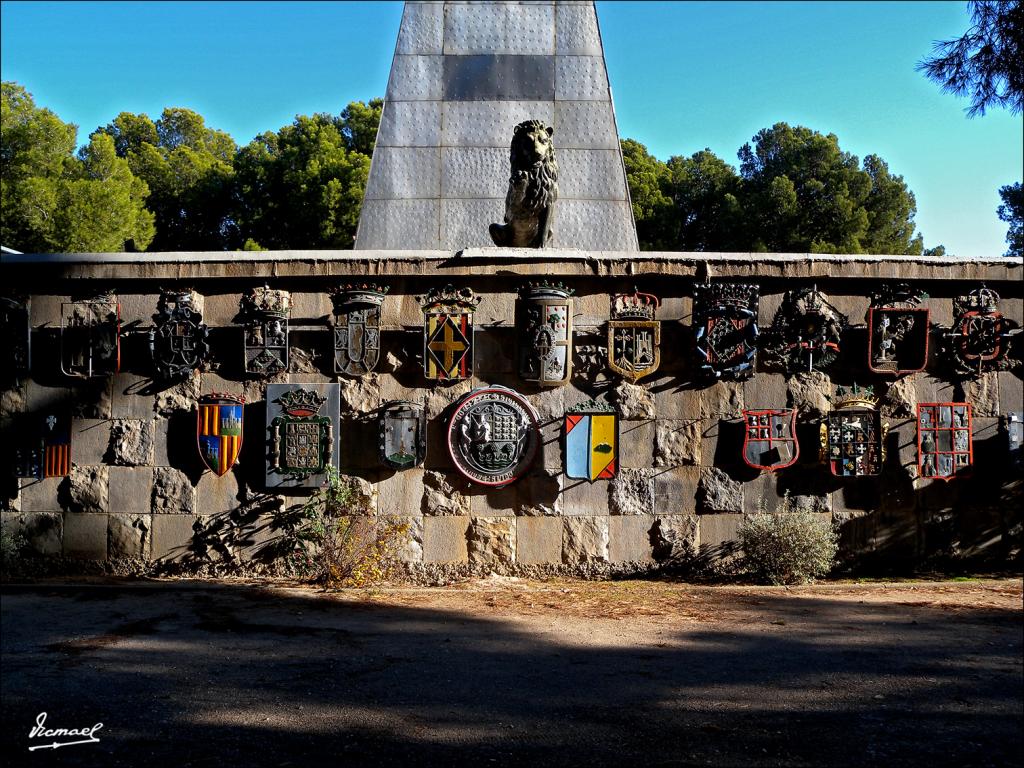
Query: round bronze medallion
(492,436)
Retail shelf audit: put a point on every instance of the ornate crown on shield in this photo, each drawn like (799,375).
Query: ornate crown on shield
(365,294)
(177,297)
(856,397)
(979,300)
(301,402)
(898,295)
(545,290)
(634,306)
(449,297)
(727,294)
(267,301)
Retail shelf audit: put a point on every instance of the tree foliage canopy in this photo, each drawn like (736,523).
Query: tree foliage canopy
(987,62)
(1012,212)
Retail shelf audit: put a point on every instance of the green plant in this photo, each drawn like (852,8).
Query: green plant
(787,546)
(331,540)
(11,547)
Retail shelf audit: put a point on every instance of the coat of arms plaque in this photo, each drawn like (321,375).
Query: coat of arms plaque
(357,328)
(90,337)
(46,451)
(591,442)
(493,436)
(981,336)
(219,430)
(448,333)
(265,312)
(178,340)
(544,329)
(403,434)
(302,439)
(725,325)
(853,435)
(945,448)
(769,442)
(897,331)
(805,333)
(634,335)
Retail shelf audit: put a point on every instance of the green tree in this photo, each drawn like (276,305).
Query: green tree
(649,183)
(706,206)
(1012,212)
(55,201)
(189,170)
(985,63)
(302,187)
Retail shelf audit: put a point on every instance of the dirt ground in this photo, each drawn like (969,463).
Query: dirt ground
(509,672)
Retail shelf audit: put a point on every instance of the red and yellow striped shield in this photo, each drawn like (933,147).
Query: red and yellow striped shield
(56,446)
(219,430)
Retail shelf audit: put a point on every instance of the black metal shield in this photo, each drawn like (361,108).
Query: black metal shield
(897,331)
(493,436)
(544,328)
(403,434)
(945,448)
(634,335)
(90,337)
(805,333)
(853,436)
(16,332)
(357,328)
(769,441)
(725,327)
(266,314)
(448,333)
(178,341)
(981,336)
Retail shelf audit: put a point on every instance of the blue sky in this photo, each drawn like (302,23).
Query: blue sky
(685,76)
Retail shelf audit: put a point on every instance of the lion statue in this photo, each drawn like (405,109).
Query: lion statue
(532,189)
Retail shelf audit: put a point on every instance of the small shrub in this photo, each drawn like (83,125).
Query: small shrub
(787,547)
(12,545)
(330,541)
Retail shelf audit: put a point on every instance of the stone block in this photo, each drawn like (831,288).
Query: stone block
(492,541)
(900,398)
(401,493)
(215,495)
(629,539)
(717,492)
(673,538)
(422,29)
(398,224)
(221,311)
(12,401)
(89,440)
(474,172)
(982,392)
(405,172)
(477,28)
(131,442)
(174,537)
(632,492)
(489,124)
(445,495)
(635,402)
(675,490)
(581,498)
(1011,392)
(581,78)
(595,224)
(43,531)
(489,502)
(636,443)
(39,397)
(138,308)
(84,490)
(40,495)
(539,494)
(311,306)
(127,398)
(584,540)
(414,78)
(464,222)
(85,536)
(678,404)
(256,537)
(444,539)
(585,125)
(93,399)
(591,174)
(576,30)
(714,531)
(130,490)
(409,124)
(45,310)
(182,396)
(360,396)
(538,540)
(678,442)
(933,390)
(810,393)
(173,492)
(129,536)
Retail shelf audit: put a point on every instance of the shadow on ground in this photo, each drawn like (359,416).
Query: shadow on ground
(232,676)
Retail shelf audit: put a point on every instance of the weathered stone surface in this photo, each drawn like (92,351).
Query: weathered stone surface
(129,536)
(635,401)
(441,497)
(363,495)
(444,539)
(84,490)
(675,490)
(674,538)
(717,492)
(128,400)
(131,443)
(492,541)
(41,495)
(85,536)
(677,442)
(585,540)
(409,549)
(130,490)
(401,493)
(93,399)
(540,494)
(538,540)
(628,539)
(301,360)
(217,495)
(174,537)
(12,401)
(901,398)
(723,399)
(441,397)
(718,530)
(982,392)
(43,531)
(183,396)
(583,499)
(632,492)
(90,439)
(172,492)
(809,393)
(636,443)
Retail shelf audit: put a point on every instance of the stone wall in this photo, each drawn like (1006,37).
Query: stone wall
(138,489)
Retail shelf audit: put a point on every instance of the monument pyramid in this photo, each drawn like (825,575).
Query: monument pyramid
(463,76)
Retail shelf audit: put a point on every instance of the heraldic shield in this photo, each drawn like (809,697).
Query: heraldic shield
(219,430)
(1013,425)
(15,330)
(769,442)
(90,337)
(544,328)
(591,442)
(178,340)
(945,448)
(634,336)
(265,314)
(725,324)
(805,333)
(981,335)
(302,443)
(897,331)
(493,436)
(46,451)
(403,434)
(357,328)
(853,436)
(448,333)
